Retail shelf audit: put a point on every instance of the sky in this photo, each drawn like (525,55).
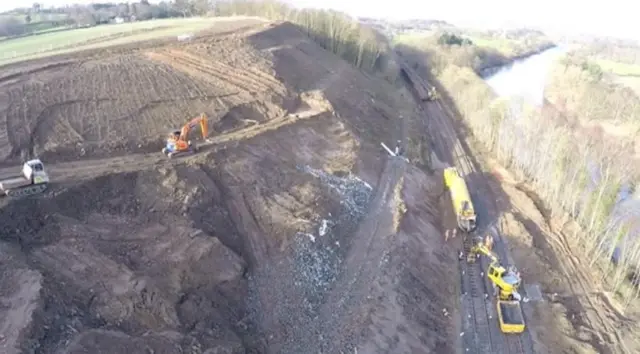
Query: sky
(570,16)
(565,16)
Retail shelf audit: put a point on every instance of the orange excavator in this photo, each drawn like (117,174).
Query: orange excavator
(177,142)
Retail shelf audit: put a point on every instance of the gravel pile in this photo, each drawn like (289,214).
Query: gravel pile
(306,276)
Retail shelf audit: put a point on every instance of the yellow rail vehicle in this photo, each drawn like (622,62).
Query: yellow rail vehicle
(460,199)
(510,317)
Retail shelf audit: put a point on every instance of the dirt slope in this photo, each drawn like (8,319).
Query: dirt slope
(291,232)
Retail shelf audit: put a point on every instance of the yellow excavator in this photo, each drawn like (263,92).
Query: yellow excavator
(432,94)
(506,282)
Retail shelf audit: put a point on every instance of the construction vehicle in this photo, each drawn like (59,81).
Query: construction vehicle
(432,94)
(177,141)
(460,199)
(510,317)
(34,180)
(505,282)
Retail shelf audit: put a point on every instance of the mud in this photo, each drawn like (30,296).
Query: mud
(290,232)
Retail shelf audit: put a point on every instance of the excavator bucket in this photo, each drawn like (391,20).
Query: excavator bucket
(204,126)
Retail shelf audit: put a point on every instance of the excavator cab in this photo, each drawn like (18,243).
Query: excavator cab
(33,170)
(507,281)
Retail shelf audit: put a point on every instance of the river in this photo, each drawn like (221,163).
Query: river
(526,79)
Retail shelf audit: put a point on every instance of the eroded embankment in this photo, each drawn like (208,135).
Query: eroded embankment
(120,261)
(159,259)
(169,260)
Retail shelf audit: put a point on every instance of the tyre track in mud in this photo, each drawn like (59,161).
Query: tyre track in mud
(477,302)
(242,79)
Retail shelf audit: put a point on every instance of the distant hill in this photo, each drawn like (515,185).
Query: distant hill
(391,28)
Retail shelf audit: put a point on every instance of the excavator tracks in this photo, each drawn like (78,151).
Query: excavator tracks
(27,191)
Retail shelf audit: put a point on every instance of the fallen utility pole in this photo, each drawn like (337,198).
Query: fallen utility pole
(392,153)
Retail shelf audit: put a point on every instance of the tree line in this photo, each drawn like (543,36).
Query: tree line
(36,18)
(576,173)
(335,31)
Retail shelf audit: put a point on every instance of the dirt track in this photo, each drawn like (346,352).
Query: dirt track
(266,241)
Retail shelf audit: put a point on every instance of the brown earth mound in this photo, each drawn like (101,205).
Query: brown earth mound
(265,242)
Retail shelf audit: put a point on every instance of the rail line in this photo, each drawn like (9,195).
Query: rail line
(481,332)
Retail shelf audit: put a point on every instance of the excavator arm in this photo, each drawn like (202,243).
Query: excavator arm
(482,249)
(201,121)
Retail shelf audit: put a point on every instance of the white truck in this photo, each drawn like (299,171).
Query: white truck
(34,180)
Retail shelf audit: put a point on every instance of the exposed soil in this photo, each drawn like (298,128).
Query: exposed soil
(290,232)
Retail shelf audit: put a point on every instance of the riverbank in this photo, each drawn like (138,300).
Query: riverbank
(491,70)
(541,168)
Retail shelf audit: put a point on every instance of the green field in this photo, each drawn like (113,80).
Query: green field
(506,47)
(619,69)
(47,44)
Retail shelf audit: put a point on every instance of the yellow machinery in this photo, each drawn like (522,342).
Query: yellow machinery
(432,94)
(506,283)
(460,199)
(177,141)
(510,317)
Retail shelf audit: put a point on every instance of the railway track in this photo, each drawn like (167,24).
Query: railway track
(481,332)
(474,296)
